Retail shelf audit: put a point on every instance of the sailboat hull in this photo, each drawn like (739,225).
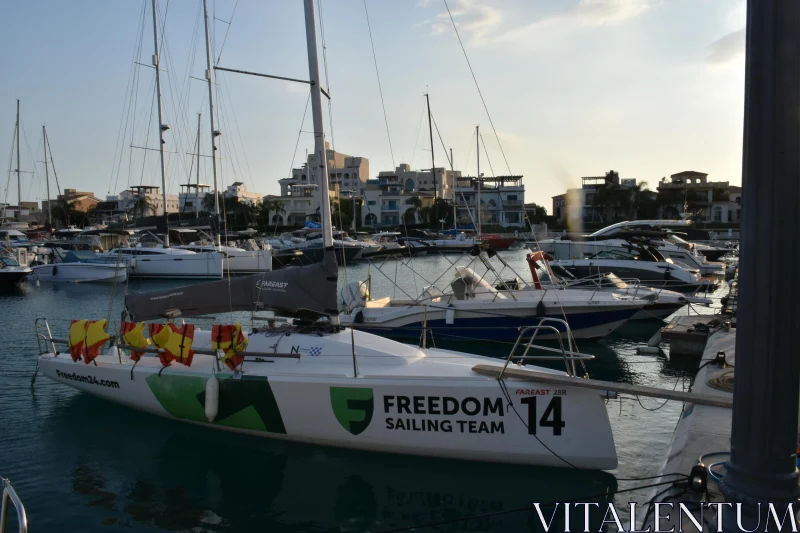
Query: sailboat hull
(197,266)
(426,403)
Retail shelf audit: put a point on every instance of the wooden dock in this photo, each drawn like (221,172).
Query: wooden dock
(687,335)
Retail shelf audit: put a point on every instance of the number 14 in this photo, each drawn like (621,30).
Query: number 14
(553,410)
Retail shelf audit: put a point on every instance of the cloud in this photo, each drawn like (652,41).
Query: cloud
(595,13)
(727,48)
(293,87)
(599,12)
(481,23)
(475,21)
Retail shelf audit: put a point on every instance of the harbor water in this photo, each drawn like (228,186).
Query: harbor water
(83,464)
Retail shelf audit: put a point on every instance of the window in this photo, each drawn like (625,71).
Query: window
(370,202)
(717,214)
(511,197)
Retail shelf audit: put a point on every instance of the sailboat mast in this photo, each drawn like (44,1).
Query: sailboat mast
(214,133)
(161,127)
(455,183)
(319,133)
(433,161)
(19,173)
(197,189)
(478,152)
(46,174)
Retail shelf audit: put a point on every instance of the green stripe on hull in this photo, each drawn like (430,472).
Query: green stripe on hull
(243,403)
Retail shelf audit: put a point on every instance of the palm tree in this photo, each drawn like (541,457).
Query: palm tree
(143,205)
(208,202)
(272,208)
(637,197)
(443,210)
(410,215)
(425,214)
(64,210)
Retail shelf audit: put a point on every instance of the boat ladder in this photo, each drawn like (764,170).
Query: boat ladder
(569,353)
(10,496)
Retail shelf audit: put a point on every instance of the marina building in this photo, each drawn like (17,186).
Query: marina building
(299,198)
(293,209)
(128,201)
(391,207)
(191,199)
(708,201)
(79,200)
(403,179)
(345,172)
(502,200)
(239,191)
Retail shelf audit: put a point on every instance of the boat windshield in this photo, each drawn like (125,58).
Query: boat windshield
(8,261)
(543,273)
(614,254)
(674,238)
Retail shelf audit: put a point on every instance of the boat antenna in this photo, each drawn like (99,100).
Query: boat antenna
(214,132)
(161,126)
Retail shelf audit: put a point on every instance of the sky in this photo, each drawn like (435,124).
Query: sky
(573,88)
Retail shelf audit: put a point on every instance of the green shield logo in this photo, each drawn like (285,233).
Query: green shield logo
(353,407)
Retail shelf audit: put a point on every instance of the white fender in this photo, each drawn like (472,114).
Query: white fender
(450,316)
(212,397)
(113,351)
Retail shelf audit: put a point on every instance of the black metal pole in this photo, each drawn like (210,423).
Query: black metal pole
(767,383)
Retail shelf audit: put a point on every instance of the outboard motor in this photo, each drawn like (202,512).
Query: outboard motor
(353,296)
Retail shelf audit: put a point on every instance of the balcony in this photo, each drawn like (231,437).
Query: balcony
(512,203)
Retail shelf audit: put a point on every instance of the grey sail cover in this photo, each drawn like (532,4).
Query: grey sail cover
(307,291)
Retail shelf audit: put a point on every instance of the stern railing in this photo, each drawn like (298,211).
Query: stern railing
(10,497)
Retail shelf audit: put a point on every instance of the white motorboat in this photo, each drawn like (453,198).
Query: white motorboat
(619,238)
(315,382)
(475,310)
(12,274)
(75,267)
(641,262)
(661,302)
(14,238)
(166,263)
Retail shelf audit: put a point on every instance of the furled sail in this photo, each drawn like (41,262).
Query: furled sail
(307,291)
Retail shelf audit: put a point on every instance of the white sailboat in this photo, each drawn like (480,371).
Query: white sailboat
(165,263)
(313,381)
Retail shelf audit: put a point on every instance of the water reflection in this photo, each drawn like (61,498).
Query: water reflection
(146,471)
